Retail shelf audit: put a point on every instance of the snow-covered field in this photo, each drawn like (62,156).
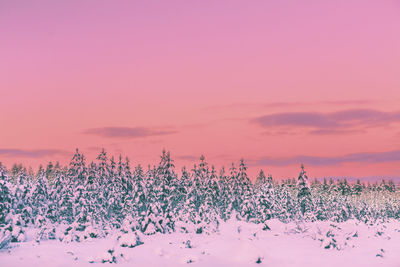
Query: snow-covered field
(235,244)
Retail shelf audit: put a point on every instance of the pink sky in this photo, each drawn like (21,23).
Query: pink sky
(275,82)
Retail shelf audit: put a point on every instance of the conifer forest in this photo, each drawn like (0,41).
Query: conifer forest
(109,197)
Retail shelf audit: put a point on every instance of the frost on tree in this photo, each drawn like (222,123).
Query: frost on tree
(265,196)
(86,201)
(304,194)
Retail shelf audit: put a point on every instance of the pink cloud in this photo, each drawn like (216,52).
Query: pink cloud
(340,122)
(127,132)
(364,157)
(35,153)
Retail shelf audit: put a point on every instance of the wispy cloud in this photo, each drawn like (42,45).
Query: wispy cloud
(365,157)
(127,132)
(297,104)
(351,120)
(35,153)
(188,157)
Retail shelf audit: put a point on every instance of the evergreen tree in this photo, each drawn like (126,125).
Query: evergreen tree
(5,196)
(246,199)
(304,194)
(265,198)
(357,187)
(152,218)
(62,197)
(225,202)
(167,180)
(261,179)
(40,195)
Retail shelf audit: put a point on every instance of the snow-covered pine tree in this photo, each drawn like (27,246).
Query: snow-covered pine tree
(260,180)
(20,211)
(62,197)
(124,171)
(77,175)
(88,211)
(6,226)
(77,170)
(357,188)
(325,185)
(344,187)
(114,194)
(168,197)
(182,211)
(391,187)
(94,209)
(226,195)
(5,196)
(286,208)
(320,209)
(40,195)
(265,196)
(236,190)
(184,183)
(246,206)
(152,218)
(190,215)
(134,208)
(3,173)
(22,197)
(210,192)
(304,195)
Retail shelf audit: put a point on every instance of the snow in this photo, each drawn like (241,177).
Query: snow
(106,214)
(236,243)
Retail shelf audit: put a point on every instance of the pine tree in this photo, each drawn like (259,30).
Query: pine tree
(22,197)
(304,194)
(265,198)
(285,207)
(260,180)
(114,195)
(225,202)
(62,196)
(167,180)
(207,209)
(357,188)
(344,187)
(152,218)
(5,196)
(40,195)
(247,208)
(184,208)
(191,215)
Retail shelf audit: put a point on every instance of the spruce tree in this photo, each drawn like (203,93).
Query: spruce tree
(40,195)
(265,196)
(5,196)
(246,199)
(304,194)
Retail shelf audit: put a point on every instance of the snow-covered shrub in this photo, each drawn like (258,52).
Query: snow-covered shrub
(129,235)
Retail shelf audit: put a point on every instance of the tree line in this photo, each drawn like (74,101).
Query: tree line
(94,198)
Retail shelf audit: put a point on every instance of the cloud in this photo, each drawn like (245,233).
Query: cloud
(127,132)
(345,121)
(329,103)
(36,153)
(297,104)
(188,157)
(366,157)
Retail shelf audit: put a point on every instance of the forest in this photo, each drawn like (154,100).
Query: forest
(96,198)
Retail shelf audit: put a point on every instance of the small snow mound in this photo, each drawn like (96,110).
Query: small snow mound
(129,240)
(189,259)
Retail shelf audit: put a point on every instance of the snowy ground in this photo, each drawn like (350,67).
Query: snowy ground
(237,244)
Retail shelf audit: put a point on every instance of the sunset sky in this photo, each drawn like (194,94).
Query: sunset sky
(277,83)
